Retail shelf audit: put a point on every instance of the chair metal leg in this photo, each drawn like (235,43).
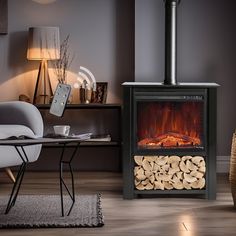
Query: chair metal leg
(10,174)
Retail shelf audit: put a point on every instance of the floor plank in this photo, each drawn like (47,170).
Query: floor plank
(141,217)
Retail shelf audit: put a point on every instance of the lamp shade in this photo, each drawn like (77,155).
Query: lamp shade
(43,43)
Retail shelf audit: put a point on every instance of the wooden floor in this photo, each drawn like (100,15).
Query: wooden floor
(141,217)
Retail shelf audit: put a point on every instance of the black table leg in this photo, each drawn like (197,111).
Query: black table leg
(71,192)
(19,178)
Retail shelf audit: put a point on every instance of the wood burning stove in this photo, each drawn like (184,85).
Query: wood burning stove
(169,130)
(169,139)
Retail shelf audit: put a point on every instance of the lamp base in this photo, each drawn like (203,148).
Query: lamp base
(43,90)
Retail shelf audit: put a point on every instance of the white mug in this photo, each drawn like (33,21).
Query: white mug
(63,130)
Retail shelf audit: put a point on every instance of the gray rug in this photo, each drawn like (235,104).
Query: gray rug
(32,211)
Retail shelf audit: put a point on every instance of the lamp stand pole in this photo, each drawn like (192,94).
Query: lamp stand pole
(43,89)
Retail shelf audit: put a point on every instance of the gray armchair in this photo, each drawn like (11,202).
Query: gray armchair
(19,118)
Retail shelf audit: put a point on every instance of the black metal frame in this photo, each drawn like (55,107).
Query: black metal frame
(21,172)
(19,178)
(63,183)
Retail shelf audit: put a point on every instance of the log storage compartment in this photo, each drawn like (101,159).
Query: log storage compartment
(169,172)
(169,139)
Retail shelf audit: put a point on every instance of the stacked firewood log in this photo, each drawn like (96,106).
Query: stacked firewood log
(169,172)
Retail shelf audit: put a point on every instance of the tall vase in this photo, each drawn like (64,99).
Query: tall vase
(232,171)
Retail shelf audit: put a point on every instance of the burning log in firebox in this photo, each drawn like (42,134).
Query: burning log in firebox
(170,139)
(169,172)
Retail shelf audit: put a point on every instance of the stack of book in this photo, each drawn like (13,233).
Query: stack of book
(93,138)
(85,136)
(100,138)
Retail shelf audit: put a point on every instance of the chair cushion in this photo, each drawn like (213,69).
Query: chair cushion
(7,131)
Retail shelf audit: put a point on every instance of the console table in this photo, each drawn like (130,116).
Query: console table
(20,144)
(84,118)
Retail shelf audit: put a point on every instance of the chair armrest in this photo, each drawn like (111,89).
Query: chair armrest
(22,113)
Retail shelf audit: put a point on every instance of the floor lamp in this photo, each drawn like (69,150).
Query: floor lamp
(43,45)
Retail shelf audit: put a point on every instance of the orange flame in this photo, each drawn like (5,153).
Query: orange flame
(169,124)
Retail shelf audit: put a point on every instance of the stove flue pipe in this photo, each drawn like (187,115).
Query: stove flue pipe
(171,41)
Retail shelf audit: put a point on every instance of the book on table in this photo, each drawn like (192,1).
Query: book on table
(100,138)
(85,137)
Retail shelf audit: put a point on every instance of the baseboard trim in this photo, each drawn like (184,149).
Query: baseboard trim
(222,164)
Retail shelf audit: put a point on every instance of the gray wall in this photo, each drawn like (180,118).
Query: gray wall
(206,51)
(98,35)
(101,39)
(101,36)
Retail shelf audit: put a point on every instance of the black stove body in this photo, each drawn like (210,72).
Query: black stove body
(165,122)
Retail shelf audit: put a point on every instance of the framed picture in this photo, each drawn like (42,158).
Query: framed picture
(100,96)
(3,17)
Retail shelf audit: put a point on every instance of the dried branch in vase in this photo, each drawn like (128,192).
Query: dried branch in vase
(62,65)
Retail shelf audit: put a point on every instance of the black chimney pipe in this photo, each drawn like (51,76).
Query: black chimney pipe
(170,41)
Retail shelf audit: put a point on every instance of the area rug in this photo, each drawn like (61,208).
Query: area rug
(40,211)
